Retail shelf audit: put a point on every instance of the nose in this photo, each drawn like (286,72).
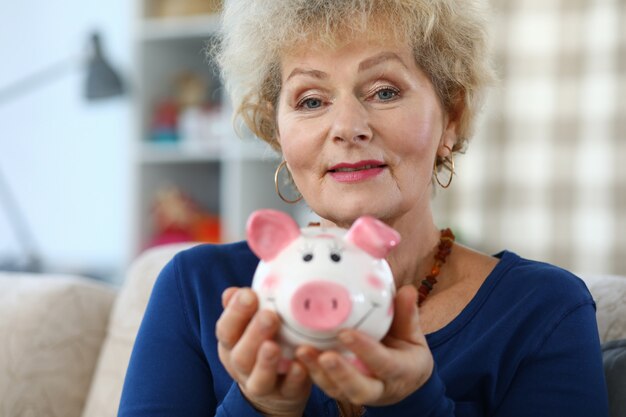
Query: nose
(321,305)
(351,121)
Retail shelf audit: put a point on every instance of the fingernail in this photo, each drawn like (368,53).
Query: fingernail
(270,354)
(329,363)
(245,298)
(295,370)
(265,320)
(305,357)
(346,338)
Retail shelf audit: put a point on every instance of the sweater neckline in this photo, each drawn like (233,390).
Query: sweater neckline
(506,261)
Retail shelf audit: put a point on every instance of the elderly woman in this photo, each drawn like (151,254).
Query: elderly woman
(368,101)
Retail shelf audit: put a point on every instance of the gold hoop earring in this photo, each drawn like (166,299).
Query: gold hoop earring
(448,163)
(282,197)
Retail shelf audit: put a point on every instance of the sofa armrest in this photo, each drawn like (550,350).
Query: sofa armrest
(51,331)
(614,361)
(126,316)
(609,293)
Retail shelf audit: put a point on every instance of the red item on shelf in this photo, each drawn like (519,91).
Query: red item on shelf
(165,114)
(178,218)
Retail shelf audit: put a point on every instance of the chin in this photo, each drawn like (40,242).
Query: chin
(344,212)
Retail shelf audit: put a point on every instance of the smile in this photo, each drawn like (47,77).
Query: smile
(358,166)
(356,169)
(327,339)
(360,171)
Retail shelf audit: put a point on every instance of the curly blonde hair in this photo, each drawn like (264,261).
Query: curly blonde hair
(448,39)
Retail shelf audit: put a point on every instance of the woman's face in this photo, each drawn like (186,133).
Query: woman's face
(359,127)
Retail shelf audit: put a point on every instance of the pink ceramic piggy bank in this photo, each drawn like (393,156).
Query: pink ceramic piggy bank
(322,280)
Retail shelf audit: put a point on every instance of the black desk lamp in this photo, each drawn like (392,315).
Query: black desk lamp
(101,82)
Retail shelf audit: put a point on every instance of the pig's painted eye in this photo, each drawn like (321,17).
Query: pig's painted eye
(335,257)
(307,257)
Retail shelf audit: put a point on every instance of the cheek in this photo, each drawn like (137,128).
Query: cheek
(300,137)
(375,283)
(295,142)
(413,151)
(302,148)
(415,127)
(270,283)
(299,142)
(420,135)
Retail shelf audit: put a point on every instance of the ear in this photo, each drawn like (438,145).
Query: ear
(373,236)
(269,232)
(452,124)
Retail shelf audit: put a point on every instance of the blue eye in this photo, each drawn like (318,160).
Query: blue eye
(311,103)
(386,94)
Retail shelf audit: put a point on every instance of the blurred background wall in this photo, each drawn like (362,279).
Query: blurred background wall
(66,160)
(546,175)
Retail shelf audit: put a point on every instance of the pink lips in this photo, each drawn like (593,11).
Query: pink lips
(360,171)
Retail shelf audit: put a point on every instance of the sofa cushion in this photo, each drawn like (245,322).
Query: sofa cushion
(51,328)
(609,293)
(106,390)
(614,360)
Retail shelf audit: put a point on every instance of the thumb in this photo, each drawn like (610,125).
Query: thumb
(405,325)
(227,295)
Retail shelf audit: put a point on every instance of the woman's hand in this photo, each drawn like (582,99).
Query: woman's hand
(398,365)
(251,356)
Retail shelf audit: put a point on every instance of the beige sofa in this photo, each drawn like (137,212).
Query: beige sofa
(65,341)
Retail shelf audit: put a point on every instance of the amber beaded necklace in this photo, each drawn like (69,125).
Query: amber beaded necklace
(446,241)
(443,250)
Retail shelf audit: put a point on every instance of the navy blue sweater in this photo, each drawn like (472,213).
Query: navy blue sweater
(526,345)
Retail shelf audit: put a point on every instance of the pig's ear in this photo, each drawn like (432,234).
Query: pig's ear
(373,236)
(269,232)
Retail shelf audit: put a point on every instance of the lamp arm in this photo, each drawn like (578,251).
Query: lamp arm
(40,78)
(19,224)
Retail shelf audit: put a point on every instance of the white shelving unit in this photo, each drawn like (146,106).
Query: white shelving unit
(227,176)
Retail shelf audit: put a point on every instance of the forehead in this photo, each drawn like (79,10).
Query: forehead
(375,29)
(363,53)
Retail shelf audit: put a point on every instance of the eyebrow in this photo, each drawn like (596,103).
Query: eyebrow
(310,72)
(364,65)
(379,59)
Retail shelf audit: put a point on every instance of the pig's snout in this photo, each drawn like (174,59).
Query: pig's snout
(321,305)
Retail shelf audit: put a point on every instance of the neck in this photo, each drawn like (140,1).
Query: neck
(413,257)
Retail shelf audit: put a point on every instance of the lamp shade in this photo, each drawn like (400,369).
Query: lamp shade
(102,81)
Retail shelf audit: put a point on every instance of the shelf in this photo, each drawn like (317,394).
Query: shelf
(254,149)
(228,176)
(176,153)
(158,29)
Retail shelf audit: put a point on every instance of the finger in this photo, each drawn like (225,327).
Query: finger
(296,381)
(308,356)
(372,355)
(405,325)
(353,384)
(403,351)
(228,295)
(263,327)
(235,318)
(262,379)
